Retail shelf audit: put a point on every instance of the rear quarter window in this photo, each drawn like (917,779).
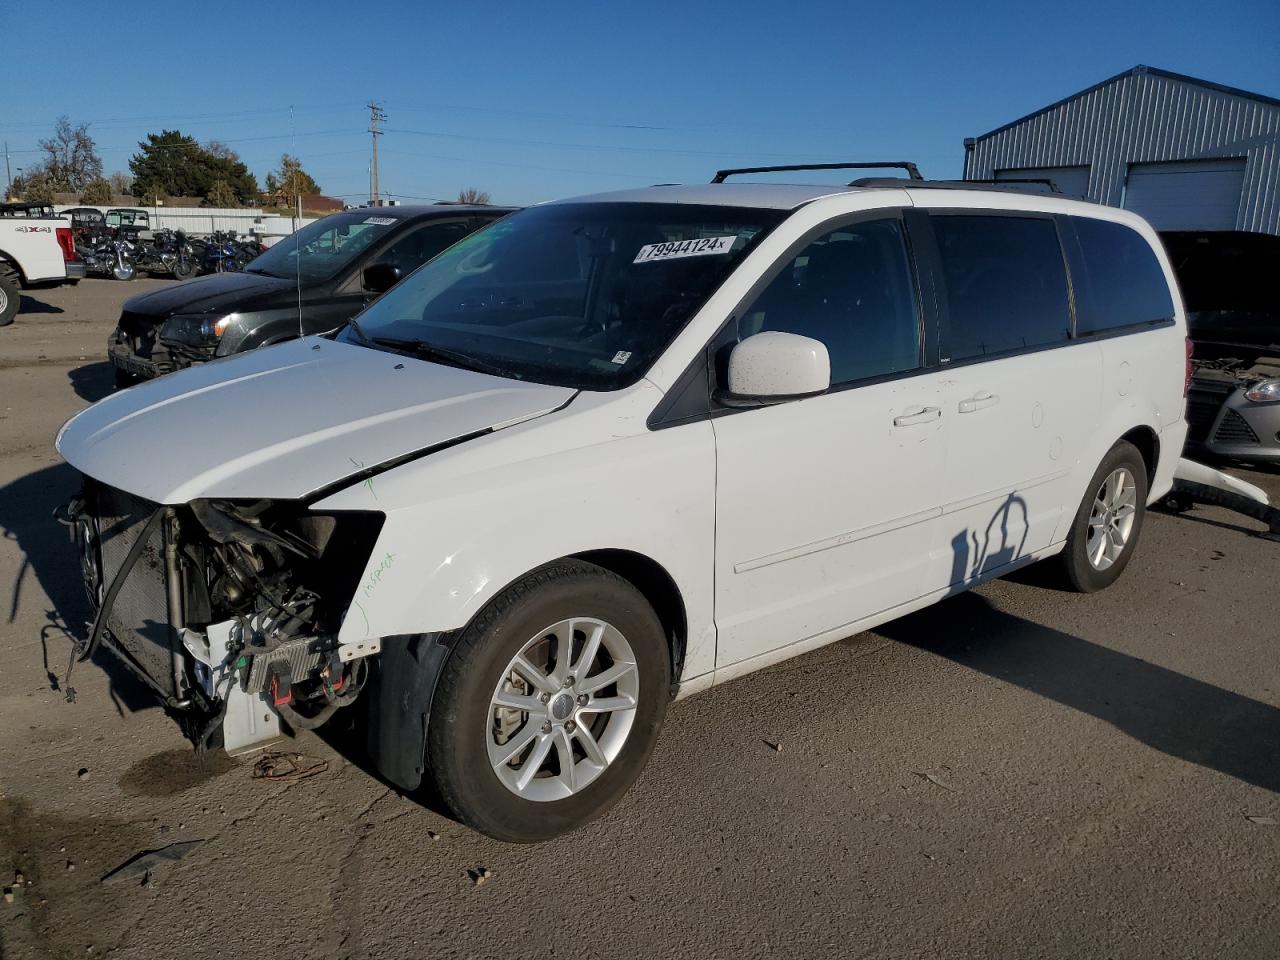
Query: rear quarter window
(1005,283)
(1116,277)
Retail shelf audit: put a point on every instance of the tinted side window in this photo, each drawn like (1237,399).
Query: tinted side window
(851,289)
(421,244)
(1116,276)
(1006,286)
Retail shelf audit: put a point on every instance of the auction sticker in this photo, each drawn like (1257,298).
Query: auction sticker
(380,221)
(675,249)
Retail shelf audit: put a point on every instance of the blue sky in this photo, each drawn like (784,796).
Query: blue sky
(531,101)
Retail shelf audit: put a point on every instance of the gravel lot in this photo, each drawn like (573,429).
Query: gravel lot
(1016,772)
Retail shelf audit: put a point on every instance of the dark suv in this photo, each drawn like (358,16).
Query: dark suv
(310,282)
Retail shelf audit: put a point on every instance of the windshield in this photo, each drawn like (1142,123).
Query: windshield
(319,250)
(127,218)
(579,295)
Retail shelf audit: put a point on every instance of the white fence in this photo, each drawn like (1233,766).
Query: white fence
(197,221)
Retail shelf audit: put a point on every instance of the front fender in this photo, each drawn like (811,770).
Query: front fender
(465,523)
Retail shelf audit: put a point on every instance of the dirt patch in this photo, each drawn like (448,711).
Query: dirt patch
(174,771)
(60,901)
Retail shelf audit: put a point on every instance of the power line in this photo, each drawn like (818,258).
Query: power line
(599,147)
(520,165)
(185,118)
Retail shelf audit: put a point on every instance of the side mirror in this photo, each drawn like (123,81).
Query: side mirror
(380,277)
(773,367)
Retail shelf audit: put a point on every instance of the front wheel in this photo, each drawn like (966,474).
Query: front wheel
(124,271)
(184,270)
(1105,530)
(550,704)
(10,296)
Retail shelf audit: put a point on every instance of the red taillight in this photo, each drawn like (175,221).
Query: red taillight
(66,242)
(1186,383)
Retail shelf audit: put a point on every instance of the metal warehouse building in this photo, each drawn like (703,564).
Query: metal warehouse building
(1184,153)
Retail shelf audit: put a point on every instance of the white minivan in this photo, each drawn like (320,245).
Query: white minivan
(614,450)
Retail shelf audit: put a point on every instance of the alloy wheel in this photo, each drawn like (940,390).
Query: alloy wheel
(562,710)
(1115,507)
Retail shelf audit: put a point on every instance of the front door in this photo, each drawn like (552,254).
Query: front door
(826,507)
(408,251)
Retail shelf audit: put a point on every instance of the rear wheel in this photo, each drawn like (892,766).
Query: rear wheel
(550,704)
(10,295)
(1106,526)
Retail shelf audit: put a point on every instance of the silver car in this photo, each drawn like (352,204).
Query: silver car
(1233,318)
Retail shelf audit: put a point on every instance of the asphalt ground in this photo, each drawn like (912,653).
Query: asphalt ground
(1015,772)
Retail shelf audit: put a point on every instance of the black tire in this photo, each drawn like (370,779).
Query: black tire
(457,758)
(1078,572)
(185,270)
(10,295)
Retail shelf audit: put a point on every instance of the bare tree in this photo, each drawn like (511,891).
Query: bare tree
(71,158)
(121,183)
(472,195)
(220,150)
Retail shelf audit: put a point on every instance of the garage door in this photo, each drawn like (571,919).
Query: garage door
(1188,195)
(1073,181)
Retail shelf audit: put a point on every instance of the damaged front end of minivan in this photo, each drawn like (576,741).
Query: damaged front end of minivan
(228,609)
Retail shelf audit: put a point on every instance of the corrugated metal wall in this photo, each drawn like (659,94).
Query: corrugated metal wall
(1143,117)
(199,221)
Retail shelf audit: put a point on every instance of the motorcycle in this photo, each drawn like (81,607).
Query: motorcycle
(109,257)
(171,252)
(223,253)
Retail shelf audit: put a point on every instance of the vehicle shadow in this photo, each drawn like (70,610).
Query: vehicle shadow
(30,304)
(347,736)
(1168,711)
(93,381)
(48,557)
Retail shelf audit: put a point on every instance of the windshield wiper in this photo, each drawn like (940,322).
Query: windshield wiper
(429,351)
(359,331)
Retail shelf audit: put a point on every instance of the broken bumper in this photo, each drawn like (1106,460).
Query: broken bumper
(173,588)
(126,354)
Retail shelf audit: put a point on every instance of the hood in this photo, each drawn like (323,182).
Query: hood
(287,421)
(216,293)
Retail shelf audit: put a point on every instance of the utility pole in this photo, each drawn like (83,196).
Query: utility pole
(8,177)
(376,116)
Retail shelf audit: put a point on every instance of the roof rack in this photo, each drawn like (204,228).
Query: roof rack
(912,170)
(1004,186)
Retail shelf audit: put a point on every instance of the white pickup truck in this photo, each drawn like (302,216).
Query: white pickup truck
(36,250)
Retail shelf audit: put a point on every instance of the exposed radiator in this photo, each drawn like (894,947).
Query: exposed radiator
(139,619)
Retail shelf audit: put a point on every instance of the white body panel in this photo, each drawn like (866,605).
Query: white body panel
(1016,431)
(826,512)
(303,415)
(33,246)
(781,527)
(500,506)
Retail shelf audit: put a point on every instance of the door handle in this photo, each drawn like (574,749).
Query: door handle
(921,415)
(979,401)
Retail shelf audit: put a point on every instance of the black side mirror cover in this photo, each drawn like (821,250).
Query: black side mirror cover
(380,277)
